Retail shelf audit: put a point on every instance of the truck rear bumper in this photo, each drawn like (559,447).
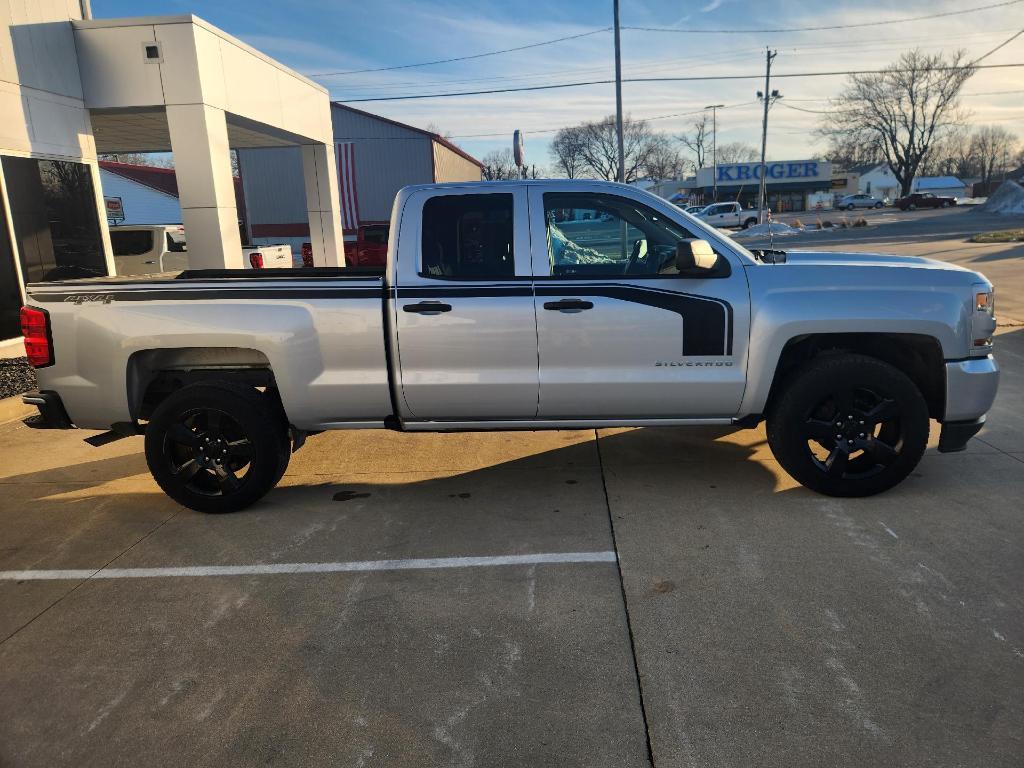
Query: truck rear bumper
(970,388)
(51,408)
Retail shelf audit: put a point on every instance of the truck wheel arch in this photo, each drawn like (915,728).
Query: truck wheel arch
(153,374)
(918,356)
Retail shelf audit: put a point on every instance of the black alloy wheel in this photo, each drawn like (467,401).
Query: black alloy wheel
(217,447)
(849,425)
(208,452)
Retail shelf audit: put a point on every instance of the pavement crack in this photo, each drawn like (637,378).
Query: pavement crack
(625,602)
(88,578)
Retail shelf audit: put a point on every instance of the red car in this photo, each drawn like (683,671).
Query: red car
(923,200)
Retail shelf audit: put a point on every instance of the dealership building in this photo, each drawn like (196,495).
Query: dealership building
(72,88)
(791,185)
(376,157)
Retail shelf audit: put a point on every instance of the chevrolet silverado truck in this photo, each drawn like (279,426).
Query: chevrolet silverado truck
(523,305)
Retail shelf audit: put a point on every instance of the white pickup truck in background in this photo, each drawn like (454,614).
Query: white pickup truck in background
(728,215)
(149,249)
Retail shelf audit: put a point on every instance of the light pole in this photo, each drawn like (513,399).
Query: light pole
(767,97)
(618,96)
(714,147)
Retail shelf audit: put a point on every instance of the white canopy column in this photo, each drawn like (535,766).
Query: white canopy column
(199,141)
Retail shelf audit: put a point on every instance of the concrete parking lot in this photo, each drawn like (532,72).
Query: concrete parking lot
(611,598)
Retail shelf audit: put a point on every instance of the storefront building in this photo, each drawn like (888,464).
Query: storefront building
(791,185)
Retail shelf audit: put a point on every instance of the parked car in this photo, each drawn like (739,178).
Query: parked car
(143,249)
(493,314)
(849,202)
(923,200)
(728,215)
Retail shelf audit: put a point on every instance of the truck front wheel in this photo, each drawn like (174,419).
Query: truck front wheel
(849,425)
(217,447)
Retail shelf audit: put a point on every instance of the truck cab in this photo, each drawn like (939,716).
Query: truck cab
(588,320)
(142,249)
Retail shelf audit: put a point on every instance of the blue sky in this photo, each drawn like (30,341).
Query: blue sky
(318,36)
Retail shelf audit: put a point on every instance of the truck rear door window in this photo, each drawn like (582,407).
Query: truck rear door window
(131,242)
(468,237)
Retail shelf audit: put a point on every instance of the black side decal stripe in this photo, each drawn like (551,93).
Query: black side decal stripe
(464,291)
(707,322)
(210,294)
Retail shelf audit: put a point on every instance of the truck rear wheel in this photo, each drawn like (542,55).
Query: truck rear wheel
(748,223)
(217,447)
(849,425)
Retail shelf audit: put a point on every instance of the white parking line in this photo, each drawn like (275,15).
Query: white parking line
(271,569)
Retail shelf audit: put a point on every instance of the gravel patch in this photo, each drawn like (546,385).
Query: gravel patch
(16,376)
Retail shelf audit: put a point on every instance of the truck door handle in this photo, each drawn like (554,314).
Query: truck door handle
(569,305)
(428,308)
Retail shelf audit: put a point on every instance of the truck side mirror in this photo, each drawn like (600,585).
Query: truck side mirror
(695,257)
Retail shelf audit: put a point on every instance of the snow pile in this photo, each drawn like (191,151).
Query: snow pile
(775,229)
(1009,198)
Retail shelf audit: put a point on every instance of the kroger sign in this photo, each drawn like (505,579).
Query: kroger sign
(801,171)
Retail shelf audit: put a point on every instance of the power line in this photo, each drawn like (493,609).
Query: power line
(823,28)
(467,58)
(695,31)
(1002,44)
(694,78)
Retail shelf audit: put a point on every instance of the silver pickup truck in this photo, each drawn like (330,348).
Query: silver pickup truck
(524,305)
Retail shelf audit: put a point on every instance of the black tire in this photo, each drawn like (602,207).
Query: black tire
(878,205)
(912,207)
(945,205)
(848,425)
(217,446)
(748,223)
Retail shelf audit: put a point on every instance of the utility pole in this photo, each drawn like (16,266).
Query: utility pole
(766,97)
(618,96)
(714,147)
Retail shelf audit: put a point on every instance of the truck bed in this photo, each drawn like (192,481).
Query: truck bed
(319,330)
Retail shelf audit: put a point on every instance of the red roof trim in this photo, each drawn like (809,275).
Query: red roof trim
(436,137)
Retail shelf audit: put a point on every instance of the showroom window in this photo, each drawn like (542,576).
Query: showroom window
(56,227)
(10,291)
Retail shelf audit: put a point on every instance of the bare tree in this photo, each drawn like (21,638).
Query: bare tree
(152,159)
(904,109)
(435,129)
(665,161)
(737,152)
(992,147)
(600,148)
(848,152)
(698,140)
(567,152)
(951,155)
(500,165)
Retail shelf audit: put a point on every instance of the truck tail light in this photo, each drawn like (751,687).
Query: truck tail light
(256,260)
(35,327)
(307,255)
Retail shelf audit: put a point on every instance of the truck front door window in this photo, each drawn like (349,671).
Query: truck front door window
(468,237)
(591,235)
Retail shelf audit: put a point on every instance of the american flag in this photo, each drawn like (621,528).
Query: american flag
(347,181)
